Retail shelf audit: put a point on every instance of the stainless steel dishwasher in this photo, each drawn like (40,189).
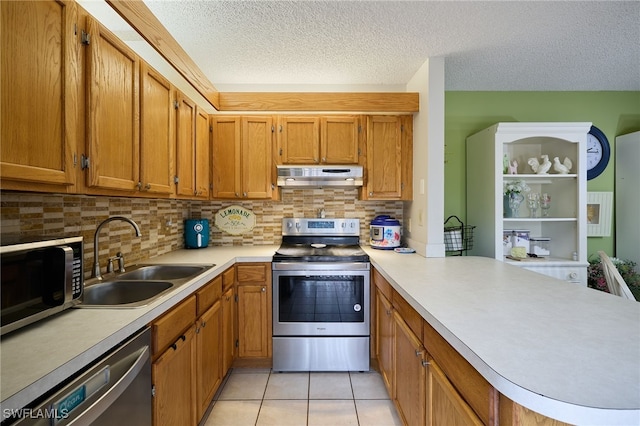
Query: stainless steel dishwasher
(116,390)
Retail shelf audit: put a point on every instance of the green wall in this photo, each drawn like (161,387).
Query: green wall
(615,113)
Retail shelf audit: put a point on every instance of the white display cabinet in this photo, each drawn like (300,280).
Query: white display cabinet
(565,224)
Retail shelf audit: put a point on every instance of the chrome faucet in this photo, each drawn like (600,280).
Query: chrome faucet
(96,263)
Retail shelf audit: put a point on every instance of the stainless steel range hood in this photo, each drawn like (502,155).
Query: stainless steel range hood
(319,176)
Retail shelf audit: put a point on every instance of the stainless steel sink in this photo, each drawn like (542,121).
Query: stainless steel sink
(162,272)
(124,293)
(139,286)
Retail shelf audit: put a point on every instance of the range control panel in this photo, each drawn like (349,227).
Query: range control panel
(301,226)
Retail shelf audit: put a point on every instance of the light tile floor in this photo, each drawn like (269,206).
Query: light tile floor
(261,397)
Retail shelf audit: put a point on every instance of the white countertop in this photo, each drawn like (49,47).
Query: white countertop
(561,349)
(565,351)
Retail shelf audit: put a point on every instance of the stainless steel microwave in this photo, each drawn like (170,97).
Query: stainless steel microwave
(39,278)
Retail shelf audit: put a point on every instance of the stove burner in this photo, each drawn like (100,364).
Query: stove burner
(304,240)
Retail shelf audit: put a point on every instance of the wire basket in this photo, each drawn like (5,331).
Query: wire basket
(457,238)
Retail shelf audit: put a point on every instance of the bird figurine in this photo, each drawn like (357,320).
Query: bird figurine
(544,167)
(513,168)
(564,167)
(534,163)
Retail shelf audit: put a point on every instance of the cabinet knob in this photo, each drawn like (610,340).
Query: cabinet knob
(324,160)
(573,275)
(425,362)
(139,186)
(204,324)
(147,187)
(264,289)
(244,194)
(418,352)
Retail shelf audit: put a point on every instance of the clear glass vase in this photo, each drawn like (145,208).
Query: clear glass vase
(515,199)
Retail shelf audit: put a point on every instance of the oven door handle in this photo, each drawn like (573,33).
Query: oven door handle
(324,267)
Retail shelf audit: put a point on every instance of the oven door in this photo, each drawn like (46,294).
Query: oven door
(321,299)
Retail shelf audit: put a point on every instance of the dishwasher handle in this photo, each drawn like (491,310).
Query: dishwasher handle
(91,413)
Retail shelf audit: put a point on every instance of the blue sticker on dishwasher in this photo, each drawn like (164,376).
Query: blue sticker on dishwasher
(65,405)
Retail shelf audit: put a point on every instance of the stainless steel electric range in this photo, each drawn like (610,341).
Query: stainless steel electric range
(321,300)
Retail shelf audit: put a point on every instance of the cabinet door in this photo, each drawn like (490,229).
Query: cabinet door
(410,374)
(39,89)
(339,139)
(257,140)
(444,404)
(384,334)
(157,139)
(202,152)
(384,157)
(253,316)
(113,126)
(299,139)
(209,356)
(185,146)
(226,157)
(228,329)
(174,383)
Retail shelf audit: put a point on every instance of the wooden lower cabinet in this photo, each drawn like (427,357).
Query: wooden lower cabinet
(209,356)
(174,383)
(409,373)
(254,310)
(189,366)
(384,340)
(444,404)
(228,329)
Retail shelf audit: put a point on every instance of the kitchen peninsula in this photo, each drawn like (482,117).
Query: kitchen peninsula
(565,351)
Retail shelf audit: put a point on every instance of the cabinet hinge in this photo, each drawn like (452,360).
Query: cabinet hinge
(210,129)
(359,152)
(237,343)
(359,128)
(273,128)
(84,162)
(176,180)
(402,127)
(75,29)
(153,391)
(280,151)
(236,297)
(75,159)
(85,38)
(176,104)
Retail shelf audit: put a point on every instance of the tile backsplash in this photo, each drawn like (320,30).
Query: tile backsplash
(161,220)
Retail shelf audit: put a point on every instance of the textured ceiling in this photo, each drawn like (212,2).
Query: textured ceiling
(487,45)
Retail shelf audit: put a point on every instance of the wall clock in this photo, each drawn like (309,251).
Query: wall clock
(598,152)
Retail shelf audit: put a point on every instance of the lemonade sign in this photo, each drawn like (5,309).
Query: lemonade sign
(235,220)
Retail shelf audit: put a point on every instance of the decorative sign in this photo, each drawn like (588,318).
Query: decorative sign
(235,220)
(599,214)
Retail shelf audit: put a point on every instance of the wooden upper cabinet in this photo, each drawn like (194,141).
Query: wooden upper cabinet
(192,149)
(202,143)
(226,157)
(339,139)
(157,132)
(318,139)
(242,157)
(299,139)
(257,142)
(39,89)
(389,156)
(113,126)
(185,145)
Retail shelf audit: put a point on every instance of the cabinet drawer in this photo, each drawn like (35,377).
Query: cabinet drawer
(228,278)
(252,273)
(408,314)
(168,328)
(208,294)
(382,284)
